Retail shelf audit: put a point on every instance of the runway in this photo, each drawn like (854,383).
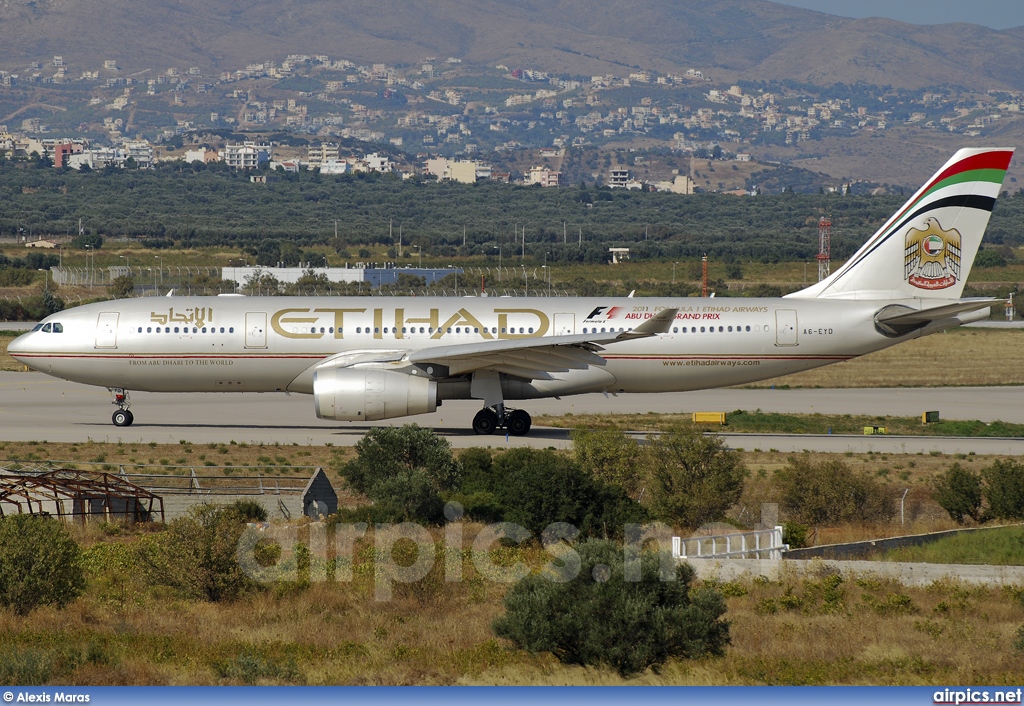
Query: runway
(36,407)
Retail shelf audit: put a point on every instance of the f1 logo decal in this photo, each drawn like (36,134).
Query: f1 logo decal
(596,313)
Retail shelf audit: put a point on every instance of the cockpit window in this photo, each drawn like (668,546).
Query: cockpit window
(37,327)
(58,328)
(47,328)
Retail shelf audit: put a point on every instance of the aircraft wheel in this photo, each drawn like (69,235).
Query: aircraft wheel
(485,422)
(519,423)
(122,418)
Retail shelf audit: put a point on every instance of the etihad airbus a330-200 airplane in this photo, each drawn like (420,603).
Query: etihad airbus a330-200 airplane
(372,358)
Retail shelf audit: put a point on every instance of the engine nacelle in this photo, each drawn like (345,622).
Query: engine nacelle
(358,395)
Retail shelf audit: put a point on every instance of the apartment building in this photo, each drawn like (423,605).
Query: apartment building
(543,176)
(248,155)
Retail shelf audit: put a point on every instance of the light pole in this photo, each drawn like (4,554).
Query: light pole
(674,272)
(547,271)
(161,259)
(498,248)
(127,264)
(88,249)
(419,256)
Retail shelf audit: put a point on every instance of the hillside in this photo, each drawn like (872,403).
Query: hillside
(752,39)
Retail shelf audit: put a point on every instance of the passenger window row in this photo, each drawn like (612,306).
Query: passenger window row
(185,329)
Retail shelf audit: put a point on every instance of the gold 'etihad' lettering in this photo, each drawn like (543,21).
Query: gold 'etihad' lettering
(197,316)
(461,318)
(278,318)
(339,319)
(543,323)
(306,323)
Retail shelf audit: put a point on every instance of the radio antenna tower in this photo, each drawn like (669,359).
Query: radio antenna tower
(824,247)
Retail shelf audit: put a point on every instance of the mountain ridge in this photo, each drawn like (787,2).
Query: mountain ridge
(730,39)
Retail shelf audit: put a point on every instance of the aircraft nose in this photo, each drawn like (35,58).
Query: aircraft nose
(18,346)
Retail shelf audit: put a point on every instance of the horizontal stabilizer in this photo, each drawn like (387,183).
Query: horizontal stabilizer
(912,317)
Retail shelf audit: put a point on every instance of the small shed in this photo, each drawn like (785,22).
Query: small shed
(318,497)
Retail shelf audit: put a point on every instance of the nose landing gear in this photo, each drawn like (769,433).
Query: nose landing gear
(489,419)
(123,416)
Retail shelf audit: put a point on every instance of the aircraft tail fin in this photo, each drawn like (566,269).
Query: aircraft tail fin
(926,249)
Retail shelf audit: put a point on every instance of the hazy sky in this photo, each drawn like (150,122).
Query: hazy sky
(998,14)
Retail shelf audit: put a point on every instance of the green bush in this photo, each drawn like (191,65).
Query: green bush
(1004,490)
(958,492)
(40,564)
(196,555)
(538,487)
(600,618)
(249,510)
(828,491)
(695,479)
(610,456)
(794,534)
(385,452)
(408,496)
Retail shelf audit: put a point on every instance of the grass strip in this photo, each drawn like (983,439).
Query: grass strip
(758,422)
(1002,546)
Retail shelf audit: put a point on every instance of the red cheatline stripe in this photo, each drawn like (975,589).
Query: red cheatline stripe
(136,356)
(730,357)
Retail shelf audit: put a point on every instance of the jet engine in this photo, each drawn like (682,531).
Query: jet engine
(365,395)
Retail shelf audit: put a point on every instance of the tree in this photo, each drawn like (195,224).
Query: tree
(1004,489)
(310,281)
(197,554)
(610,456)
(958,492)
(696,478)
(122,287)
(598,617)
(260,282)
(828,492)
(52,303)
(40,564)
(536,488)
(93,240)
(386,452)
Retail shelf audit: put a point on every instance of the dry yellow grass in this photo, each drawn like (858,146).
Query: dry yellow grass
(792,631)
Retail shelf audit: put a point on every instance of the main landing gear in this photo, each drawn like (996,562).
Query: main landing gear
(489,419)
(123,417)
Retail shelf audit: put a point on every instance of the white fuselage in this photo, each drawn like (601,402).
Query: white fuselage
(265,344)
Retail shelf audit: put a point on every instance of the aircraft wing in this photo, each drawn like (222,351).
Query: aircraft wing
(537,358)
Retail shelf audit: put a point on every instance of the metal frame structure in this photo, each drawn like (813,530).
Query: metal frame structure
(90,493)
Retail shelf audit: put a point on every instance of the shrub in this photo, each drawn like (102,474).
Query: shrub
(385,452)
(408,496)
(958,492)
(196,555)
(122,287)
(40,564)
(249,510)
(1004,490)
(794,534)
(536,488)
(695,479)
(610,456)
(829,492)
(600,618)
